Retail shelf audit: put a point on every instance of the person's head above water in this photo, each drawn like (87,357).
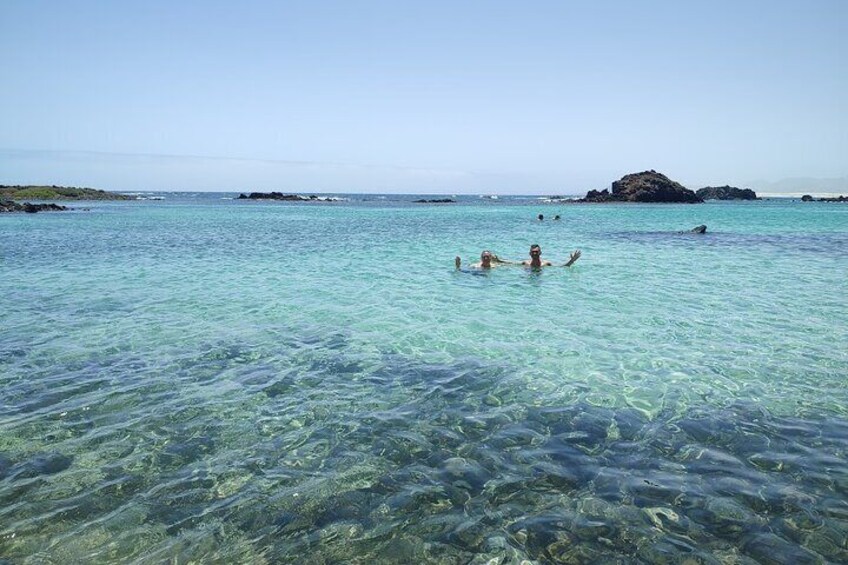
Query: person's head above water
(535,250)
(486,258)
(541,217)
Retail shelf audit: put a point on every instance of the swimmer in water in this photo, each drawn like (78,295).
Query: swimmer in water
(536,262)
(487,261)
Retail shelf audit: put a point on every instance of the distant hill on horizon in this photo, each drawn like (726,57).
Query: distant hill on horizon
(802,185)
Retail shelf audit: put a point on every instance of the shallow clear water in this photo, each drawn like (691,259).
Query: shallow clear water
(199,379)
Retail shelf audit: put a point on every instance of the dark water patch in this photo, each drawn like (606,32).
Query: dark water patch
(6,465)
(40,398)
(832,244)
(770,549)
(41,464)
(672,549)
(11,355)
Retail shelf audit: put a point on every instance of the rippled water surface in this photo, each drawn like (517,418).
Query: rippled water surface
(208,380)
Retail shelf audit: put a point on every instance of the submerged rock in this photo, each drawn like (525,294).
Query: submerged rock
(726,193)
(647,186)
(768,548)
(5,466)
(43,464)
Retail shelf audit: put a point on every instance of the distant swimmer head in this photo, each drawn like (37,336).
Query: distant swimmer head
(486,258)
(541,217)
(556,217)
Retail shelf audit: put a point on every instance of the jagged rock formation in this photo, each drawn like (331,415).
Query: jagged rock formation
(726,193)
(11,206)
(647,186)
(840,198)
(289,197)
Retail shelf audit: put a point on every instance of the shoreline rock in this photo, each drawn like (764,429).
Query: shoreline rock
(10,206)
(645,187)
(840,198)
(286,197)
(726,193)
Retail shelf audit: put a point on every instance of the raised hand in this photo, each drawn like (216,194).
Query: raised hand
(575,255)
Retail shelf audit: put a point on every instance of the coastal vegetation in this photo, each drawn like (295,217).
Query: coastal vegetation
(53,192)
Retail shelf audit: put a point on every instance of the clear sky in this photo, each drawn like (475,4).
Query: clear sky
(430,96)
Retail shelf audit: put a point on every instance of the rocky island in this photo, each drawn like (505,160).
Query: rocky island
(726,193)
(11,195)
(435,201)
(287,197)
(31,192)
(647,186)
(840,198)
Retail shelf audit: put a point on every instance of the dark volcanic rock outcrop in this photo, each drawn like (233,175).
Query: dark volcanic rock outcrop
(435,201)
(288,197)
(840,198)
(726,193)
(648,186)
(11,206)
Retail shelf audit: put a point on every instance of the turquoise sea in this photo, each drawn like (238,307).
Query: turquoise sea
(207,380)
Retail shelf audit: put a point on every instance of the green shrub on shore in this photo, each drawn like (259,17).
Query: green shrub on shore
(35,194)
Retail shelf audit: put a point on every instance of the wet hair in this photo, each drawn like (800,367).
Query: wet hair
(535,246)
(541,216)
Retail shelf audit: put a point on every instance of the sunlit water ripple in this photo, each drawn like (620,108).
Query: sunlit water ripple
(200,380)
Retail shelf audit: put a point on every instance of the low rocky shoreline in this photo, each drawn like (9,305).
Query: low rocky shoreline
(28,208)
(287,197)
(53,192)
(840,198)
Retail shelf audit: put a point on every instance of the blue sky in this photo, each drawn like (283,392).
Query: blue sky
(388,96)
